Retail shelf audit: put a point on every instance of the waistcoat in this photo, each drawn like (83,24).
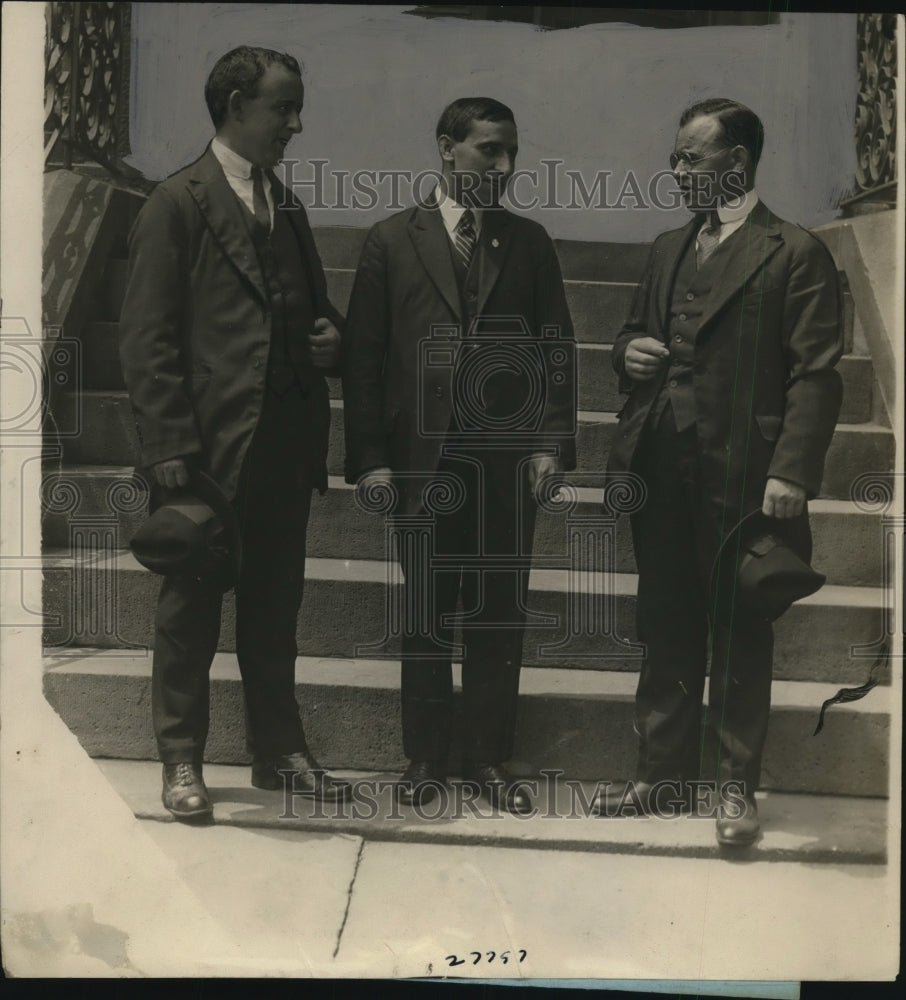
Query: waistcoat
(291,307)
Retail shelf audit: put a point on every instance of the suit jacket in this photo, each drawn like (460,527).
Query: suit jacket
(394,387)
(195,327)
(766,393)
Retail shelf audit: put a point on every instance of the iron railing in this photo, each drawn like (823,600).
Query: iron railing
(876,111)
(86,86)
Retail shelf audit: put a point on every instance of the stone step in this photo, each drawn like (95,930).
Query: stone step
(854,450)
(580,724)
(847,541)
(598,387)
(600,281)
(598,308)
(599,390)
(105,599)
(108,437)
(341,247)
(804,828)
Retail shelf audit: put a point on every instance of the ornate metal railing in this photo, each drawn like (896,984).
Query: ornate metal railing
(86,88)
(876,115)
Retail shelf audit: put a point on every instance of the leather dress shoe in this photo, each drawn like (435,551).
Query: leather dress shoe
(737,822)
(184,792)
(632,799)
(419,783)
(499,787)
(642,798)
(308,777)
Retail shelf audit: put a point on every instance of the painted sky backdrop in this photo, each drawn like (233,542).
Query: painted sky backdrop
(604,97)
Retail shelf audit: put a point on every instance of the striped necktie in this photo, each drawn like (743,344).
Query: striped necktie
(259,200)
(708,240)
(464,237)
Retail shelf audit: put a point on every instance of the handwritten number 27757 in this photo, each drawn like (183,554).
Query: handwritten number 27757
(489,956)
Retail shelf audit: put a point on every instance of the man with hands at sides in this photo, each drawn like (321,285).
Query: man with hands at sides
(422,406)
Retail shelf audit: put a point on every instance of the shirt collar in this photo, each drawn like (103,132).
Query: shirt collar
(737,209)
(232,163)
(451,211)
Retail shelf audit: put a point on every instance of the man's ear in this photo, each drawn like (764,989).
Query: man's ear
(235,105)
(445,148)
(742,160)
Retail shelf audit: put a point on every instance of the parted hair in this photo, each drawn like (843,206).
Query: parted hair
(456,118)
(241,69)
(741,126)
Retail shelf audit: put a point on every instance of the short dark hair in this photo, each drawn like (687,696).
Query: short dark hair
(740,125)
(456,118)
(240,69)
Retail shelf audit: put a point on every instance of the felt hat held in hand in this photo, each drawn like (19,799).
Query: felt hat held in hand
(772,569)
(194,533)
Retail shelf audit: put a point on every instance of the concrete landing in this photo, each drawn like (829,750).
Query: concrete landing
(90,890)
(806,828)
(580,721)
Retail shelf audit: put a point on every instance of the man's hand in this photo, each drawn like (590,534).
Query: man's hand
(643,357)
(540,467)
(172,473)
(324,344)
(782,499)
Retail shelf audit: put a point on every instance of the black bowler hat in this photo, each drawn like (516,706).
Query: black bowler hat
(195,532)
(772,570)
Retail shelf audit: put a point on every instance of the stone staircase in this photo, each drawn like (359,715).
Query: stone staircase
(576,705)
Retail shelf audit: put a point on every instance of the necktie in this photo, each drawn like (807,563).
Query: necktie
(464,237)
(708,238)
(262,214)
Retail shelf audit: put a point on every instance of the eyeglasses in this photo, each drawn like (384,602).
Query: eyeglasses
(693,161)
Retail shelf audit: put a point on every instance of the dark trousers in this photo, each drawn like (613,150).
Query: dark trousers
(272,502)
(676,539)
(495,524)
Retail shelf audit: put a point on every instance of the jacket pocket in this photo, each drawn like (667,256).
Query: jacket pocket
(769,426)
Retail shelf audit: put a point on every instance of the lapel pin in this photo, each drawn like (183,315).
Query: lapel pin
(495,243)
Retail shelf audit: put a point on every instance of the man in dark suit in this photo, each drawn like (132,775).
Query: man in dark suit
(728,356)
(226,333)
(460,370)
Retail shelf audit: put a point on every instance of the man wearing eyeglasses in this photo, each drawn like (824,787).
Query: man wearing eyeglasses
(728,357)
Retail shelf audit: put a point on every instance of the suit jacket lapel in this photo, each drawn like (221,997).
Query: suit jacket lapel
(493,247)
(224,215)
(757,239)
(432,244)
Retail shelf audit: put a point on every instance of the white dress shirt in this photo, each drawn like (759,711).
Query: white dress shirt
(238,172)
(733,213)
(451,212)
